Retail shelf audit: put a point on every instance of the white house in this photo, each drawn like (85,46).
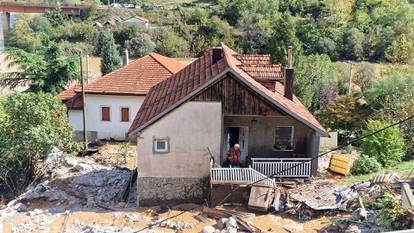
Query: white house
(113,100)
(137,21)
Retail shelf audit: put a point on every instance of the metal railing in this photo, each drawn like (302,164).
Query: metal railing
(241,176)
(300,167)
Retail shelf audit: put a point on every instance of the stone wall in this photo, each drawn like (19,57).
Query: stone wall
(165,190)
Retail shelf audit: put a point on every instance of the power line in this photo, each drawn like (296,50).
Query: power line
(287,169)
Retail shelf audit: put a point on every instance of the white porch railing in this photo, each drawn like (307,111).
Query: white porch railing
(283,167)
(242,176)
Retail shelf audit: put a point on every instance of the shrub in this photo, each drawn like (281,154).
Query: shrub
(365,165)
(392,216)
(387,146)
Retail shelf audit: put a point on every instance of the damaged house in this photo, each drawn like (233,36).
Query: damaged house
(113,100)
(188,122)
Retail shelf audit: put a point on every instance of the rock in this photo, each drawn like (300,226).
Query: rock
(11,203)
(359,214)
(221,224)
(231,222)
(20,207)
(208,229)
(353,229)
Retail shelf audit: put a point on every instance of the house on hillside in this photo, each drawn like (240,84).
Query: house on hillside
(189,121)
(113,100)
(136,21)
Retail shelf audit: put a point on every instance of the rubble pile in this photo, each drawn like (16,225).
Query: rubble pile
(80,183)
(79,227)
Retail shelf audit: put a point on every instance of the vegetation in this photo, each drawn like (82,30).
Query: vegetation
(109,53)
(46,70)
(387,146)
(365,165)
(34,123)
(392,215)
(125,151)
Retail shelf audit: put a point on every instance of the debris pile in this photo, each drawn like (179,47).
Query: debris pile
(80,183)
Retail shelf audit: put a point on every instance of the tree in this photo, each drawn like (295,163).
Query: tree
(34,123)
(55,16)
(170,44)
(401,50)
(284,35)
(387,146)
(23,37)
(109,53)
(46,70)
(315,81)
(354,45)
(140,45)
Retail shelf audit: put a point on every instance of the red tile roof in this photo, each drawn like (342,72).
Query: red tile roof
(136,78)
(70,98)
(191,80)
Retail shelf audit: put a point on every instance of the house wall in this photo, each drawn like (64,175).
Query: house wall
(181,173)
(261,135)
(106,129)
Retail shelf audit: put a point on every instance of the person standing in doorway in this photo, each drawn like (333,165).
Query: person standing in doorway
(233,156)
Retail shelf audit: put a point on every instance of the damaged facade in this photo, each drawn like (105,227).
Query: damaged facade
(221,99)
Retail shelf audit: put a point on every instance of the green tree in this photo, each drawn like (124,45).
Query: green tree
(315,79)
(140,45)
(354,44)
(34,123)
(22,36)
(170,44)
(284,35)
(109,53)
(387,146)
(401,50)
(55,16)
(46,70)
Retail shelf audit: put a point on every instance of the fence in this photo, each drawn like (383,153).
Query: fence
(291,167)
(242,176)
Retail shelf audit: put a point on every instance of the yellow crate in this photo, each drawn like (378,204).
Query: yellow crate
(341,164)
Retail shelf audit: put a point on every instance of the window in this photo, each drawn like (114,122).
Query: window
(283,138)
(106,116)
(161,145)
(125,114)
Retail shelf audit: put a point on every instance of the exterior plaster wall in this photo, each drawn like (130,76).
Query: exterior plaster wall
(190,129)
(261,135)
(114,128)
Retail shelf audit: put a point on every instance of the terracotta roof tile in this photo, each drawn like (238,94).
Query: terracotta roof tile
(70,98)
(181,86)
(136,78)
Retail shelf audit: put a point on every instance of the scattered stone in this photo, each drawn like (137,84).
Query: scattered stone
(209,229)
(359,214)
(20,207)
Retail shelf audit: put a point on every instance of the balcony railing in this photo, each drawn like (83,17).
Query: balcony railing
(241,176)
(283,167)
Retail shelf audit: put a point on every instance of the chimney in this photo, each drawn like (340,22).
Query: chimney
(289,76)
(125,58)
(217,54)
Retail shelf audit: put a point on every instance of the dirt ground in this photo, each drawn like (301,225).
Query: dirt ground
(59,223)
(109,154)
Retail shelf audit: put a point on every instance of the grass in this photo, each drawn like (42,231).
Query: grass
(403,169)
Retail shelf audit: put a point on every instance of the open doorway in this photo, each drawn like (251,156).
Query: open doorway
(236,135)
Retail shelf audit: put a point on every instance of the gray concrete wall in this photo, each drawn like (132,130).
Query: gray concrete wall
(329,142)
(261,135)
(190,129)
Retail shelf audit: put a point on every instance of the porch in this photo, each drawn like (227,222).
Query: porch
(261,169)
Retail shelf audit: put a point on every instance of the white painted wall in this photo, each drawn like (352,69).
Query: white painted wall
(191,128)
(106,129)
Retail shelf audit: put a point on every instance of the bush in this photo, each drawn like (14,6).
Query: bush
(34,124)
(392,216)
(387,146)
(365,165)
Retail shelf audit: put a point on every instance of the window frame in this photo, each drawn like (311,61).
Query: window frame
(129,113)
(291,137)
(161,151)
(102,114)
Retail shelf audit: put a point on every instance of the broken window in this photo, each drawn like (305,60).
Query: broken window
(124,114)
(283,138)
(106,116)
(161,145)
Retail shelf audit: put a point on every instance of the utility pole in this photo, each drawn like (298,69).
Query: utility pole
(350,77)
(87,69)
(85,132)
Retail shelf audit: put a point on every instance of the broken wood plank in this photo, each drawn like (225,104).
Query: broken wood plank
(260,198)
(214,213)
(407,197)
(201,218)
